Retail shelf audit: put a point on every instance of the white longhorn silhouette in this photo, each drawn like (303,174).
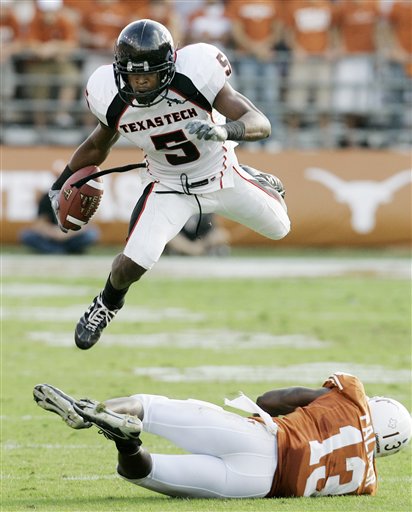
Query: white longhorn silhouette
(362,196)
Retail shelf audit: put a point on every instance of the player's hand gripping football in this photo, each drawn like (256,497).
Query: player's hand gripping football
(54,200)
(207,130)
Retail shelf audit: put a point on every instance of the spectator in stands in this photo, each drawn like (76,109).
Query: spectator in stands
(200,236)
(256,30)
(51,40)
(399,64)
(309,35)
(357,94)
(183,11)
(164,12)
(211,24)
(45,237)
(100,22)
(10,46)
(400,18)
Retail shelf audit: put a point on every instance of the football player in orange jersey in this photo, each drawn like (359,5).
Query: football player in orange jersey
(324,444)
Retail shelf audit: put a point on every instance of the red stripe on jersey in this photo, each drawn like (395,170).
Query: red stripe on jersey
(224,166)
(142,208)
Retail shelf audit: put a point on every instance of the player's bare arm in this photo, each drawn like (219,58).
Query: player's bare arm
(284,401)
(236,107)
(95,149)
(245,121)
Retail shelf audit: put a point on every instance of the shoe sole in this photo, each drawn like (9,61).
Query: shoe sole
(54,400)
(120,426)
(84,345)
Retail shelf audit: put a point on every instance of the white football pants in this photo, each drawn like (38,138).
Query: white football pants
(162,216)
(229,456)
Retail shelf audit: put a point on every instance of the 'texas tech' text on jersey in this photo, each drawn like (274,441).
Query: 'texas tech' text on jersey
(159,130)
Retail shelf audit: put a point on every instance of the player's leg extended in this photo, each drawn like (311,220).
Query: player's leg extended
(156,219)
(205,476)
(201,427)
(231,455)
(255,202)
(155,223)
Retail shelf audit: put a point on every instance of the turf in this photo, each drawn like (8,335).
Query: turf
(356,320)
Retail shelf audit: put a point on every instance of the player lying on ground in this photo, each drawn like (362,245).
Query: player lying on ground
(325,444)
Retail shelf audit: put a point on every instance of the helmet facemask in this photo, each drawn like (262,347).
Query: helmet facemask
(143,47)
(165,74)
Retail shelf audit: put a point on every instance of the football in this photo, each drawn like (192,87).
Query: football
(78,205)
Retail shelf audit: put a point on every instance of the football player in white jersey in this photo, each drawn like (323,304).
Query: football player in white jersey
(178,107)
(324,444)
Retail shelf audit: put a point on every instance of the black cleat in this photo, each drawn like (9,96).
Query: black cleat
(91,324)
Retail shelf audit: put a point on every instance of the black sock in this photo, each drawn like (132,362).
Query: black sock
(129,446)
(113,298)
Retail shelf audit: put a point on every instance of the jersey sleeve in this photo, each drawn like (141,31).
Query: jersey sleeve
(348,385)
(207,67)
(100,91)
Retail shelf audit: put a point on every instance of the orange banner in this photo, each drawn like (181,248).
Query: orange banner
(335,198)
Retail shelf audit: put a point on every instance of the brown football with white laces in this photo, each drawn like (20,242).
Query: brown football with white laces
(78,205)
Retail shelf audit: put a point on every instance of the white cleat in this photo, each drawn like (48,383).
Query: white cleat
(113,425)
(54,400)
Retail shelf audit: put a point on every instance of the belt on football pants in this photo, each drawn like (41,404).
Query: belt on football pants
(200,183)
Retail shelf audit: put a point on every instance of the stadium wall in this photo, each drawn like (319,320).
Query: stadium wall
(335,198)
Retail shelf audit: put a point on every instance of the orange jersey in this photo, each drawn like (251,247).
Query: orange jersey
(311,22)
(9,27)
(327,447)
(357,23)
(257,18)
(60,28)
(400,17)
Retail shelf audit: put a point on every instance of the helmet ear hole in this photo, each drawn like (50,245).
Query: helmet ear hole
(144,46)
(392,424)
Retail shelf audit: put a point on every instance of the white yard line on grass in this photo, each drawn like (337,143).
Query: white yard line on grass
(203,268)
(218,340)
(72,313)
(304,373)
(86,478)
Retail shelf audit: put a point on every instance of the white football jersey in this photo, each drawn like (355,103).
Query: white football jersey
(173,154)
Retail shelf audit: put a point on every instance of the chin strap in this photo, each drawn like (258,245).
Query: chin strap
(125,168)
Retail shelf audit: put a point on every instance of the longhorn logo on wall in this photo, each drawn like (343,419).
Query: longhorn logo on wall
(362,196)
(349,198)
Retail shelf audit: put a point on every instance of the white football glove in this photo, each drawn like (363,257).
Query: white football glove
(54,200)
(207,130)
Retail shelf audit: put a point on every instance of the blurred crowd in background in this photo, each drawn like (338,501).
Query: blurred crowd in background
(327,73)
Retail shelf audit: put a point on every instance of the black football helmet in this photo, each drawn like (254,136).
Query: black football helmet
(143,46)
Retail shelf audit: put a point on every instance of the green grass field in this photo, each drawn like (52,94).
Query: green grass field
(203,338)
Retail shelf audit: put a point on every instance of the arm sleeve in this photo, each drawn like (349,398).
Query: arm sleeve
(100,92)
(209,68)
